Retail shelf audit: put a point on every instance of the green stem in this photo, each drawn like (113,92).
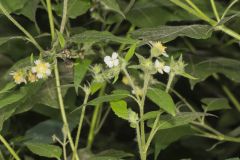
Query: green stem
(152,132)
(215,10)
(30,37)
(229,32)
(5,143)
(64,17)
(228,8)
(229,94)
(170,80)
(139,141)
(81,121)
(50,16)
(91,133)
(62,109)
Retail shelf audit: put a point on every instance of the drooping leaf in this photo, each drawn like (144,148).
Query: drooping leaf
(162,99)
(11,98)
(120,109)
(183,118)
(44,150)
(169,33)
(213,104)
(29,10)
(80,69)
(13,5)
(165,137)
(112,5)
(92,37)
(75,8)
(202,70)
(44,131)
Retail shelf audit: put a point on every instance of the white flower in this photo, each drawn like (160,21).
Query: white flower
(42,69)
(161,67)
(19,77)
(158,49)
(112,61)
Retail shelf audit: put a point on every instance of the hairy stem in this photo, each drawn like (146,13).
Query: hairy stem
(10,149)
(81,122)
(91,133)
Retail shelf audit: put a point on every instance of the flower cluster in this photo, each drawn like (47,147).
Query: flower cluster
(100,74)
(40,70)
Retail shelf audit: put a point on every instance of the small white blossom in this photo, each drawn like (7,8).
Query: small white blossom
(112,61)
(161,67)
(158,49)
(41,69)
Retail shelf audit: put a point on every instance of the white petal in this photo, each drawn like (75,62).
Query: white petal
(37,62)
(40,75)
(165,54)
(48,65)
(34,70)
(160,71)
(48,72)
(116,62)
(167,69)
(107,59)
(156,63)
(110,64)
(114,55)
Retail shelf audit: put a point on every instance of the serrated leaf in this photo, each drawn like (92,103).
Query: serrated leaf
(169,33)
(92,37)
(80,70)
(162,99)
(213,104)
(113,6)
(120,109)
(226,66)
(44,150)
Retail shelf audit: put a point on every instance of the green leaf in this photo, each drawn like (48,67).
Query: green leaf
(150,115)
(75,8)
(112,5)
(43,131)
(8,87)
(11,98)
(29,10)
(4,40)
(117,95)
(80,70)
(169,33)
(111,154)
(183,118)
(213,104)
(61,39)
(6,113)
(95,86)
(130,52)
(92,37)
(162,99)
(120,109)
(226,66)
(44,150)
(13,5)
(165,137)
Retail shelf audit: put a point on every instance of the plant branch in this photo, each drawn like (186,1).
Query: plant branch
(215,10)
(10,149)
(29,36)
